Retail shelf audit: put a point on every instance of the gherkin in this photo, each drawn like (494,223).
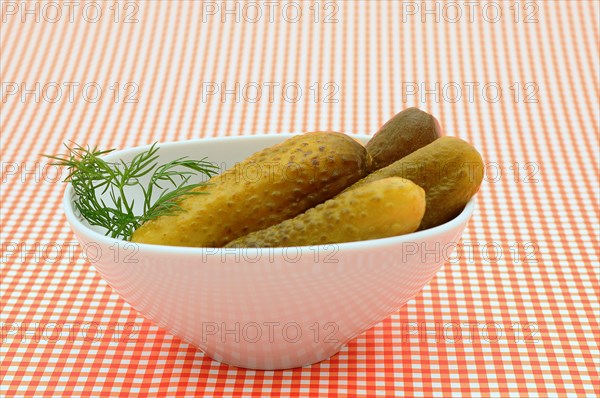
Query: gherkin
(387,207)
(450,171)
(270,186)
(403,134)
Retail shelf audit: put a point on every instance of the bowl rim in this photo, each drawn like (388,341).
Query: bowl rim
(77,225)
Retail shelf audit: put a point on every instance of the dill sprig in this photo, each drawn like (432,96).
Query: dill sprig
(91,177)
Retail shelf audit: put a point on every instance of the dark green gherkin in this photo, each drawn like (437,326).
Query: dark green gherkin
(400,136)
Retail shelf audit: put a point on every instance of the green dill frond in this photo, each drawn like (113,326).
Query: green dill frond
(91,177)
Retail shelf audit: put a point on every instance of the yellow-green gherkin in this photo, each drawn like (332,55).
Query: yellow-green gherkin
(387,207)
(270,186)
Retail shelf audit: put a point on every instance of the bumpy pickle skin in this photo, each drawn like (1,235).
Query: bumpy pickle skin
(450,171)
(403,134)
(387,207)
(270,186)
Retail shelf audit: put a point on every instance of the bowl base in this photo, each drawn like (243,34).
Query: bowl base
(276,364)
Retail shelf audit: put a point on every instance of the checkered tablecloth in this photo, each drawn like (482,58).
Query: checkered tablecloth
(514,312)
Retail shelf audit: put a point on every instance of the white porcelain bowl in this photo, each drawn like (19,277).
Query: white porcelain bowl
(265,308)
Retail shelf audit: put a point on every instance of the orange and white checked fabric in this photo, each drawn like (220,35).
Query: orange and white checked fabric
(513,313)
